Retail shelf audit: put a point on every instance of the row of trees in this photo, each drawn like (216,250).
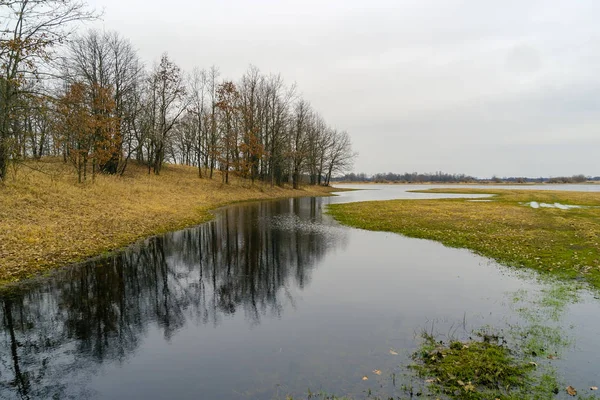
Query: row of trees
(570,179)
(93,102)
(559,179)
(412,177)
(441,177)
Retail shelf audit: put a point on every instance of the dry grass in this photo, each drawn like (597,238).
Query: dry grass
(47,220)
(562,242)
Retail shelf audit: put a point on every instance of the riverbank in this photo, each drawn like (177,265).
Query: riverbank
(47,220)
(552,240)
(486,183)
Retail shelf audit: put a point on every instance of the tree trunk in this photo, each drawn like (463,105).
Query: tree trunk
(295,178)
(3,159)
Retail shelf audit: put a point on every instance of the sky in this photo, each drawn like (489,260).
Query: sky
(481,87)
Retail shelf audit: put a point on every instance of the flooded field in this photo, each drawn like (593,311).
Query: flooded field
(270,299)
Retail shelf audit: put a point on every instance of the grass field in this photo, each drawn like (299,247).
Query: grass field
(565,243)
(47,220)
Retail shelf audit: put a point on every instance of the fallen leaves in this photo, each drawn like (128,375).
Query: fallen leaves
(469,387)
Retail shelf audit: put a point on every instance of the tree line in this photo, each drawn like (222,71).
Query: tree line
(89,99)
(408,177)
(555,179)
(441,177)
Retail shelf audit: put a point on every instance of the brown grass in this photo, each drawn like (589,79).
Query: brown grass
(47,220)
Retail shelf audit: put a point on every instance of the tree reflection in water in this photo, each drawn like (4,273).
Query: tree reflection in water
(57,332)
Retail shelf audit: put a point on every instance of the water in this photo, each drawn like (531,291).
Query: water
(269,299)
(367,192)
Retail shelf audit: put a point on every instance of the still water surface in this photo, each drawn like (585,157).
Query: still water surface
(269,299)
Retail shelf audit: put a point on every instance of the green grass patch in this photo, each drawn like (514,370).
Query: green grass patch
(474,369)
(564,243)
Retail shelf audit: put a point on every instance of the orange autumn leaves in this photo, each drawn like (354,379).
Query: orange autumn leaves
(378,371)
(89,130)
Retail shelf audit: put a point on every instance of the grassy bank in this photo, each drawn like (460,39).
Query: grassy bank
(565,243)
(47,220)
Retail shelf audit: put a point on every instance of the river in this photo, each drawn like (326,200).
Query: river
(269,299)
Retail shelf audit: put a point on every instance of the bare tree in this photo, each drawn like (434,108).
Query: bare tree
(229,126)
(167,105)
(299,139)
(252,110)
(319,143)
(340,156)
(212,134)
(278,100)
(28,32)
(198,104)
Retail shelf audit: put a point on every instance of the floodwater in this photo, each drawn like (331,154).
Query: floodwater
(269,299)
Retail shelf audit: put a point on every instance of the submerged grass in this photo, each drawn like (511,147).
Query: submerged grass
(514,363)
(564,243)
(473,369)
(47,220)
(559,243)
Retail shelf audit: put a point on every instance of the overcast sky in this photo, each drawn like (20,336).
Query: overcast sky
(482,87)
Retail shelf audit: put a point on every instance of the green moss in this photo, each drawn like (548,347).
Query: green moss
(473,369)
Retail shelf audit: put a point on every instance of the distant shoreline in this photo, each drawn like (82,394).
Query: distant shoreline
(465,183)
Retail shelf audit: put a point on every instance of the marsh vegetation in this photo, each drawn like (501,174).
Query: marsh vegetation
(515,362)
(556,241)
